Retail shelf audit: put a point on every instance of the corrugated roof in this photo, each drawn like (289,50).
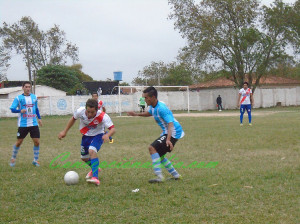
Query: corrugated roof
(225,82)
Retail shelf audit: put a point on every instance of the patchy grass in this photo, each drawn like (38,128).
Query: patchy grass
(256,179)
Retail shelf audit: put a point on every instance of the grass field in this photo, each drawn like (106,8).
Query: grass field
(256,179)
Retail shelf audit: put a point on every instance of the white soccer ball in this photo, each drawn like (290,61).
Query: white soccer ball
(71,178)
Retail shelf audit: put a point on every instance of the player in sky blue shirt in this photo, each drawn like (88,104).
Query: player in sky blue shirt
(171,132)
(28,120)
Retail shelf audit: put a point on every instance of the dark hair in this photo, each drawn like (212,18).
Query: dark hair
(246,83)
(94,93)
(26,82)
(151,91)
(92,103)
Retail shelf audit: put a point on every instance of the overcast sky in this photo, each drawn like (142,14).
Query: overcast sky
(112,35)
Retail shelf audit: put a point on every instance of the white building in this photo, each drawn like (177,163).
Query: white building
(40,91)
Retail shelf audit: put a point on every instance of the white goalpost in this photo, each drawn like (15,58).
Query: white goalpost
(141,88)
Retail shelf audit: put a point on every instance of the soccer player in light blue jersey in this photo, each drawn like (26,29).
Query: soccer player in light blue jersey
(171,132)
(29,120)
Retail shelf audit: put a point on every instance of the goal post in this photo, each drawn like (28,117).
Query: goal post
(133,89)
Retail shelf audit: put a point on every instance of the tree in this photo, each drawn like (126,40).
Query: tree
(81,75)
(59,77)
(4,58)
(235,35)
(37,47)
(158,73)
(152,74)
(177,75)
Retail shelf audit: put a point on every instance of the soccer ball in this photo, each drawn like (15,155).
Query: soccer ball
(71,178)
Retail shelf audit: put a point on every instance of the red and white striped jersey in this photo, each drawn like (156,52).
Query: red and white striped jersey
(93,126)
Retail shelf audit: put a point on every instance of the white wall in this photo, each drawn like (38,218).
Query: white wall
(202,100)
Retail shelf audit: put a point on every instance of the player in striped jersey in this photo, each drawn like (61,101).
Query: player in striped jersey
(28,120)
(245,100)
(101,108)
(171,132)
(92,124)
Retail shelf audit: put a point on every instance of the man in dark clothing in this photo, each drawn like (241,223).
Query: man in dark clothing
(219,103)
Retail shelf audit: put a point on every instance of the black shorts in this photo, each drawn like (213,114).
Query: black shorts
(33,130)
(160,145)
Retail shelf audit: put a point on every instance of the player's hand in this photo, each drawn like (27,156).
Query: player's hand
(61,135)
(169,143)
(131,113)
(105,138)
(23,111)
(40,122)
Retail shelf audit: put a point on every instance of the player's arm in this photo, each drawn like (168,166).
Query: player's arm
(170,130)
(111,132)
(15,107)
(251,99)
(63,133)
(38,114)
(239,98)
(141,114)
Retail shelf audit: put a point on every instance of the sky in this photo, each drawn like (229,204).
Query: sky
(112,35)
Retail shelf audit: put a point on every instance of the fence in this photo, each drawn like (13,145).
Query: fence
(178,100)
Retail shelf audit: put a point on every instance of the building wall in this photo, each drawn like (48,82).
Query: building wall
(202,100)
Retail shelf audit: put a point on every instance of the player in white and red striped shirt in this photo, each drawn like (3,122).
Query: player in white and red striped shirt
(101,108)
(92,125)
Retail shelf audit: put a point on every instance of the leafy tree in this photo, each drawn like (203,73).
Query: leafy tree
(237,36)
(59,77)
(158,73)
(177,75)
(38,48)
(81,75)
(124,84)
(4,58)
(151,74)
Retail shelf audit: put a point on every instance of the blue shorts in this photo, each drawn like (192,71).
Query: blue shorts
(90,142)
(246,107)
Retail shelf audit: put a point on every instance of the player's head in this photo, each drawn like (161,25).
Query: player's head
(91,107)
(245,85)
(95,95)
(150,95)
(26,86)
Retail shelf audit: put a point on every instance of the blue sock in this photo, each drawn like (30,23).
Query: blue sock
(249,114)
(95,166)
(88,162)
(15,152)
(156,164)
(242,114)
(36,152)
(167,163)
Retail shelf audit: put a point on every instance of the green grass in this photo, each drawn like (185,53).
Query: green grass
(256,179)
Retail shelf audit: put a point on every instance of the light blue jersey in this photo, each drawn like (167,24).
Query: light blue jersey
(163,115)
(29,103)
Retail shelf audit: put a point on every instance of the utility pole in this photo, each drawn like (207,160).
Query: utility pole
(34,82)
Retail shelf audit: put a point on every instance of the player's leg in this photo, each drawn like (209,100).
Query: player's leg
(157,150)
(35,135)
(168,165)
(156,162)
(242,111)
(93,149)
(249,113)
(22,133)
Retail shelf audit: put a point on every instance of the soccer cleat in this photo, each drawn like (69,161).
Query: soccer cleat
(36,163)
(90,174)
(111,141)
(157,180)
(250,124)
(12,162)
(175,178)
(94,180)
(241,125)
